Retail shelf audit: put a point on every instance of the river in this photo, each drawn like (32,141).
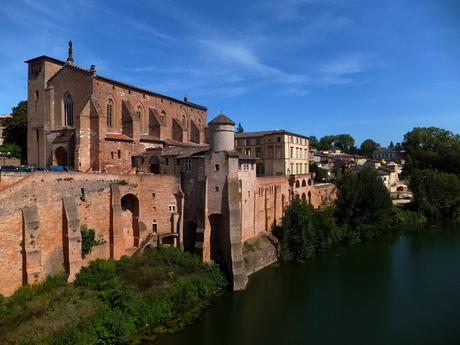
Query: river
(404,290)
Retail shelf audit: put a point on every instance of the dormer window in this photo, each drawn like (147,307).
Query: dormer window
(68,110)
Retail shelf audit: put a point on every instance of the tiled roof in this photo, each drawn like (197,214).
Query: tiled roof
(222,119)
(116,136)
(263,133)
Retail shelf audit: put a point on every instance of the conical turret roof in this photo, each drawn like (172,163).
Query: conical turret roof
(222,119)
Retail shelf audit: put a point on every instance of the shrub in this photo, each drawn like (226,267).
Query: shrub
(88,240)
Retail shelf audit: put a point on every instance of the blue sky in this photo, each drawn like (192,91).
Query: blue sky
(369,68)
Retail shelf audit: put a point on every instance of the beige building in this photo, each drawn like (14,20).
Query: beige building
(279,152)
(2,119)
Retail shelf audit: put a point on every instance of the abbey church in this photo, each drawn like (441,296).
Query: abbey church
(92,123)
(150,170)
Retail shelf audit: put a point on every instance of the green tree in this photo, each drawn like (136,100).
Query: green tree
(320,173)
(326,142)
(313,141)
(436,194)
(391,146)
(345,142)
(16,128)
(363,204)
(368,146)
(297,239)
(239,128)
(432,148)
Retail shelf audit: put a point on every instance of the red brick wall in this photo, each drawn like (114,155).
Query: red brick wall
(92,194)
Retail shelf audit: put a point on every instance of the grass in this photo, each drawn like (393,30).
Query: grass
(112,302)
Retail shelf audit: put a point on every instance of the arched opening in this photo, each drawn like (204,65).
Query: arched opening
(154,123)
(177,131)
(60,156)
(309,197)
(189,236)
(109,113)
(216,221)
(309,181)
(194,133)
(304,197)
(130,218)
(141,117)
(304,184)
(68,109)
(297,184)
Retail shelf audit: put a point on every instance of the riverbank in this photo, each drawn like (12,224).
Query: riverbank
(110,301)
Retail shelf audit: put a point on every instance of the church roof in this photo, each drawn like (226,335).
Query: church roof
(222,119)
(113,81)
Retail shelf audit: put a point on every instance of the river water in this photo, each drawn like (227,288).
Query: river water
(404,290)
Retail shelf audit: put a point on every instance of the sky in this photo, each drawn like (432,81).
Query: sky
(374,69)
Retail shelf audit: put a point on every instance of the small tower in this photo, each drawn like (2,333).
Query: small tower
(70,54)
(221,135)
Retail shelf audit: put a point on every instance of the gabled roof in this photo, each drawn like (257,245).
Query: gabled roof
(113,81)
(222,119)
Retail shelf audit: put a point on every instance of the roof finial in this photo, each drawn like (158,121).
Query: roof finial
(70,57)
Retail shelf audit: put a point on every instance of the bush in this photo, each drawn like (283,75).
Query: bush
(88,240)
(110,300)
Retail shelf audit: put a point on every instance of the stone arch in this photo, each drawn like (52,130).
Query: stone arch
(309,197)
(154,123)
(194,132)
(304,197)
(309,181)
(177,131)
(61,156)
(143,120)
(130,218)
(304,183)
(297,184)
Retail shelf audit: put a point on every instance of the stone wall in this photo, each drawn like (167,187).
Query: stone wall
(41,216)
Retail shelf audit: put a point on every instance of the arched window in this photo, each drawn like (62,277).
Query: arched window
(163,116)
(140,117)
(199,123)
(68,109)
(109,113)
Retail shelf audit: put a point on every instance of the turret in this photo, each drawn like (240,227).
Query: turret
(220,134)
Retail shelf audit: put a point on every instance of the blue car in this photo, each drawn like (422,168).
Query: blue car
(60,168)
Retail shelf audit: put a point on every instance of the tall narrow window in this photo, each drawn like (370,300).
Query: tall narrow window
(68,110)
(140,116)
(110,113)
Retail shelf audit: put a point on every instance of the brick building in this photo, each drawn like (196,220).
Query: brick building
(163,175)
(79,118)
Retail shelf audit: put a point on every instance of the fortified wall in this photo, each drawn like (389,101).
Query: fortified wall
(41,216)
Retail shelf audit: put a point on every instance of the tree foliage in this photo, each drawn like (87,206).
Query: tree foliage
(368,147)
(363,204)
(320,173)
(313,141)
(15,131)
(239,128)
(344,142)
(432,148)
(436,194)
